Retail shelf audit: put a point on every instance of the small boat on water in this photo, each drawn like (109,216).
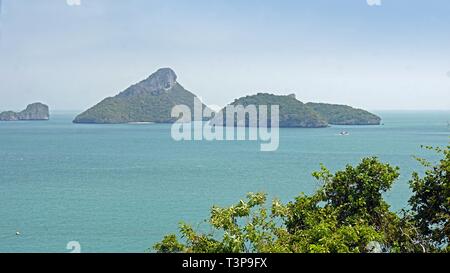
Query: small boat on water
(344,133)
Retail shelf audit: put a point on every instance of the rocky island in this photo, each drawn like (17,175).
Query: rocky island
(294,113)
(150,100)
(35,111)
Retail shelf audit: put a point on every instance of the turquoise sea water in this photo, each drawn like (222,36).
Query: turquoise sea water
(120,188)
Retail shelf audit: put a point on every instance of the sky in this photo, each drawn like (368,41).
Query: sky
(372,54)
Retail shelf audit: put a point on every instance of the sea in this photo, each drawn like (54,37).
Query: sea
(121,188)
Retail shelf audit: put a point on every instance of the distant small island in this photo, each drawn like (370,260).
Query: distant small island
(35,111)
(152,100)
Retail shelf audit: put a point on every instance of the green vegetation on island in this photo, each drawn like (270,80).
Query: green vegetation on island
(35,111)
(347,214)
(344,115)
(293,113)
(151,100)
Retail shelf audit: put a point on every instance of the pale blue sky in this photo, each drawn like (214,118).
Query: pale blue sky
(392,56)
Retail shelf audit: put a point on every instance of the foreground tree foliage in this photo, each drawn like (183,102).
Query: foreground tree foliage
(431,201)
(347,214)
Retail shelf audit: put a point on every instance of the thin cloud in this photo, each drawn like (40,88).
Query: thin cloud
(374,2)
(73,2)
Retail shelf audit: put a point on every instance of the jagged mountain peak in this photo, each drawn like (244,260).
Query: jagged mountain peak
(157,83)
